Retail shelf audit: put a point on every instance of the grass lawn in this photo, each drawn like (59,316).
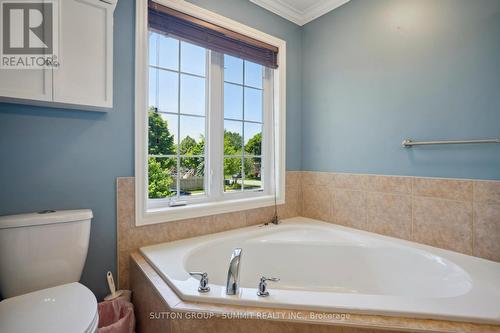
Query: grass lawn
(249,184)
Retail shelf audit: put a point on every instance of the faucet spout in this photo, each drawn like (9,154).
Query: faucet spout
(233,274)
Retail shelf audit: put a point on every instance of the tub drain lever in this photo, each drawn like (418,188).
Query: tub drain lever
(262,292)
(203,288)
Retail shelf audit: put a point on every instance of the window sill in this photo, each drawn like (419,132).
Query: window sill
(170,214)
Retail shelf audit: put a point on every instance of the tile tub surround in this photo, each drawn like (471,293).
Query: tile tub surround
(152,294)
(131,238)
(453,214)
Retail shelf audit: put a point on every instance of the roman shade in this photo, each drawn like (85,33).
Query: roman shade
(211,36)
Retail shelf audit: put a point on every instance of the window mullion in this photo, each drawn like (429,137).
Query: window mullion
(216,126)
(243,134)
(268,137)
(178,180)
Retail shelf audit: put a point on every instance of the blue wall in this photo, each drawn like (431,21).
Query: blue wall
(380,71)
(66,159)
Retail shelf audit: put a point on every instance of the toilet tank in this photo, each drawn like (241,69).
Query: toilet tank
(42,250)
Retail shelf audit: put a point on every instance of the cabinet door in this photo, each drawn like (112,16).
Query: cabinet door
(85,74)
(29,84)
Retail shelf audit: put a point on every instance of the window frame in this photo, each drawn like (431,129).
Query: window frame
(147,213)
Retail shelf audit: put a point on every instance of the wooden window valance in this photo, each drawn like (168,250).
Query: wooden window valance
(208,35)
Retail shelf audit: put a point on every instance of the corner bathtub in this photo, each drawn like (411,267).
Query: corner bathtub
(325,267)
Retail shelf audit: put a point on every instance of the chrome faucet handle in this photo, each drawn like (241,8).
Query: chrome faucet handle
(262,292)
(203,288)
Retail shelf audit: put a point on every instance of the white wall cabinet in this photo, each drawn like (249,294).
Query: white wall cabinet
(84,77)
(26,84)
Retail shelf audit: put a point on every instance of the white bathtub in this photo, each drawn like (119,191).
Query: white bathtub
(336,269)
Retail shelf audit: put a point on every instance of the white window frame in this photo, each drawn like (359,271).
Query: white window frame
(159,212)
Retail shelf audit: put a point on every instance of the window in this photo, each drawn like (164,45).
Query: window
(177,115)
(209,131)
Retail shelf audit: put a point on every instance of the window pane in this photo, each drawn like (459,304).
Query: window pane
(192,178)
(233,69)
(192,135)
(233,137)
(168,91)
(162,134)
(161,176)
(152,87)
(233,101)
(192,95)
(153,55)
(172,122)
(169,53)
(253,177)
(253,104)
(193,59)
(253,139)
(253,75)
(232,174)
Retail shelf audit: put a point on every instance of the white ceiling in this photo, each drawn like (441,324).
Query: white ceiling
(300,11)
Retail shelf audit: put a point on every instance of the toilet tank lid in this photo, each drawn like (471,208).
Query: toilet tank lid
(44,217)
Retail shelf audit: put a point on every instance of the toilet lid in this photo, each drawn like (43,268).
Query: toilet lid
(66,308)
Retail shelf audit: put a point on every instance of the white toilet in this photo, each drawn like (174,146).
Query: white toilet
(41,261)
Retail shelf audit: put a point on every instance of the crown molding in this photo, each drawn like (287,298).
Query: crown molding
(299,17)
(282,9)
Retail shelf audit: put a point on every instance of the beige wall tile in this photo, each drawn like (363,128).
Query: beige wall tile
(125,204)
(487,231)
(452,189)
(316,178)
(293,178)
(223,222)
(389,214)
(487,191)
(316,202)
(388,184)
(125,217)
(349,181)
(260,215)
(349,208)
(365,330)
(123,270)
(292,205)
(443,223)
(251,326)
(146,300)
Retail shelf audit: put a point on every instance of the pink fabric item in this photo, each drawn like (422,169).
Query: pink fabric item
(116,316)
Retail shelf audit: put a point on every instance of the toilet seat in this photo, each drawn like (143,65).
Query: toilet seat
(66,308)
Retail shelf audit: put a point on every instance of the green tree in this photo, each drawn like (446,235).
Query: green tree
(189,147)
(160,180)
(232,143)
(232,146)
(253,165)
(161,142)
(254,145)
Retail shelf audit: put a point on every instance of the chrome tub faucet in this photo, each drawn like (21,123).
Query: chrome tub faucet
(233,274)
